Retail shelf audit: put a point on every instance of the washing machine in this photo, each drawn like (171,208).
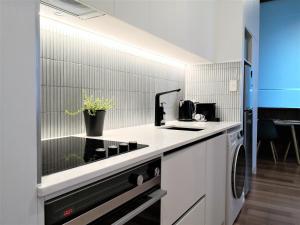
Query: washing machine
(236,175)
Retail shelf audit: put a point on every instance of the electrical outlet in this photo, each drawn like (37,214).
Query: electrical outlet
(233,85)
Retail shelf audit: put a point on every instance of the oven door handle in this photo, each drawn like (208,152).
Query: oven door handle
(155,197)
(114,203)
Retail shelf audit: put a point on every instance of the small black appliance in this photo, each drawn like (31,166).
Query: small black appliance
(186,110)
(206,109)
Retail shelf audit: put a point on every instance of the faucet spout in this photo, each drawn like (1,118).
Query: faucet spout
(159,110)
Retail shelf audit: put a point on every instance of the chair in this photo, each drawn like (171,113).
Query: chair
(287,150)
(267,132)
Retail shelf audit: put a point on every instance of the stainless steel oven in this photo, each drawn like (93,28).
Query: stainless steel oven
(131,197)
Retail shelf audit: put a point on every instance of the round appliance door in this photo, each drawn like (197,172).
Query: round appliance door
(238,174)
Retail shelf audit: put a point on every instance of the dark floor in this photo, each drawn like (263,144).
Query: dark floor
(275,195)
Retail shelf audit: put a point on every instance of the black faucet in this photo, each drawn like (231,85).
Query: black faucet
(159,109)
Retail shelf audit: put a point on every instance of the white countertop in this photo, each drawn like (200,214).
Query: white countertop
(159,141)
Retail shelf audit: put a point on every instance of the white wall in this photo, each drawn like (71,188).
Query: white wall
(251,16)
(18,97)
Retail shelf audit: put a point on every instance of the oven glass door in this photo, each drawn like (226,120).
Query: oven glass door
(144,209)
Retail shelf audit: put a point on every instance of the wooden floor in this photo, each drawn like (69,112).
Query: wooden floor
(275,196)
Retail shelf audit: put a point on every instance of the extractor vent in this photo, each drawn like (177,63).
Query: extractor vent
(74,8)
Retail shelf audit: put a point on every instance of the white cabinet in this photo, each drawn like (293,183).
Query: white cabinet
(186,24)
(134,12)
(195,216)
(163,17)
(190,174)
(216,180)
(103,5)
(183,176)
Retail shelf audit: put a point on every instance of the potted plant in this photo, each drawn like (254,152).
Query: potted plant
(94,110)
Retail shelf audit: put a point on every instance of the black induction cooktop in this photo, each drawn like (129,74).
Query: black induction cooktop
(69,152)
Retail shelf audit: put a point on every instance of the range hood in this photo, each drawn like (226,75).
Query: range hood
(74,8)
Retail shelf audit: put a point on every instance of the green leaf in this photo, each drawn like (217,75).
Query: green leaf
(92,105)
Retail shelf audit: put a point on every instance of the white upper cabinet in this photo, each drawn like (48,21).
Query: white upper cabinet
(186,24)
(134,12)
(103,5)
(163,19)
(210,29)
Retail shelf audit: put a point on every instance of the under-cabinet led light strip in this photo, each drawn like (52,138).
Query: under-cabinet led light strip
(46,23)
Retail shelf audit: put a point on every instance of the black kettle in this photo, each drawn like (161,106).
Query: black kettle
(186,110)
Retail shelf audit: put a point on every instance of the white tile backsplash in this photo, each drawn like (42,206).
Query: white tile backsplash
(72,63)
(209,83)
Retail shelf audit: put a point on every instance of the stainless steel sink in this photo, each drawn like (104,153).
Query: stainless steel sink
(182,128)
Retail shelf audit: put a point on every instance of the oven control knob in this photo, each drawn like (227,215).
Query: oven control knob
(156,172)
(133,145)
(100,152)
(112,150)
(123,147)
(136,179)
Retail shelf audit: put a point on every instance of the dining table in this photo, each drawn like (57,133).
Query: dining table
(291,124)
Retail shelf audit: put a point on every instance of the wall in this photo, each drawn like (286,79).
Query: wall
(73,62)
(279,81)
(19,111)
(232,16)
(209,83)
(229,31)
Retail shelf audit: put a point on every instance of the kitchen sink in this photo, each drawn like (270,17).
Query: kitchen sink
(183,128)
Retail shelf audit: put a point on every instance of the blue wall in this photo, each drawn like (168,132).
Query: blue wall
(279,72)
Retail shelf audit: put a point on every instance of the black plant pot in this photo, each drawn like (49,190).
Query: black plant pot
(94,124)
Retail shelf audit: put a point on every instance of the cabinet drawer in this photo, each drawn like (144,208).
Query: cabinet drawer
(216,154)
(183,176)
(195,216)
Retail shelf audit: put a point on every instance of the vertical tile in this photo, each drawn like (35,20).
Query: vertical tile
(72,64)
(209,83)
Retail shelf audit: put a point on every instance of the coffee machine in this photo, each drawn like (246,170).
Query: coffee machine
(186,110)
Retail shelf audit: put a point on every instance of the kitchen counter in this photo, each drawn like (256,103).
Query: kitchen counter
(159,141)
